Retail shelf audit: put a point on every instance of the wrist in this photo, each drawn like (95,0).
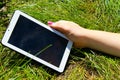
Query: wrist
(87,38)
(82,40)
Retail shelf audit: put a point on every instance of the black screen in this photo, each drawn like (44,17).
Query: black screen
(37,40)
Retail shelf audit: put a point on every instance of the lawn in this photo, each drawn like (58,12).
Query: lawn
(83,64)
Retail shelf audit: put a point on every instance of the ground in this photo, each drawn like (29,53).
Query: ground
(83,64)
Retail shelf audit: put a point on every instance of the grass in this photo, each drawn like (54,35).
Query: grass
(83,64)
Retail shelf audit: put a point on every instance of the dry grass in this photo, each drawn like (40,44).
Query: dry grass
(83,64)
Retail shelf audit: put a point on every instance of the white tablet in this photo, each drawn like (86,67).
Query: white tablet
(37,41)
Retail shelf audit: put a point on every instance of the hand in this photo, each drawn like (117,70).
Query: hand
(94,39)
(71,30)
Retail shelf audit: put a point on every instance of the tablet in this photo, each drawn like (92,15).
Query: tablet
(37,41)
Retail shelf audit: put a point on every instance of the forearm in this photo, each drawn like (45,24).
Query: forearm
(104,41)
(99,40)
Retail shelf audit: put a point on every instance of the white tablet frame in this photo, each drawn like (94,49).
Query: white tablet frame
(9,32)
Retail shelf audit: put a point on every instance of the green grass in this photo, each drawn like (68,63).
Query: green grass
(83,64)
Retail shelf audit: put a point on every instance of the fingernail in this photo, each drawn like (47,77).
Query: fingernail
(50,22)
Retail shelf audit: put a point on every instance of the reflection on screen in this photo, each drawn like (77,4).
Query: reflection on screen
(38,41)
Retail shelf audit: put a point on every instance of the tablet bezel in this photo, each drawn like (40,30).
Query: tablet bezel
(9,31)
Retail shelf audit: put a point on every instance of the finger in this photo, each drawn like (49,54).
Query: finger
(57,26)
(50,23)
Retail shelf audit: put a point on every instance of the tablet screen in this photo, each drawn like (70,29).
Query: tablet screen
(39,41)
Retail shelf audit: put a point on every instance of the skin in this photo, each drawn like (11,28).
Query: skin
(107,42)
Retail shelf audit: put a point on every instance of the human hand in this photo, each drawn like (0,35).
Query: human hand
(94,39)
(71,30)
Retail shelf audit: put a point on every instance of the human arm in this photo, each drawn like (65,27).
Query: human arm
(104,41)
(84,38)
